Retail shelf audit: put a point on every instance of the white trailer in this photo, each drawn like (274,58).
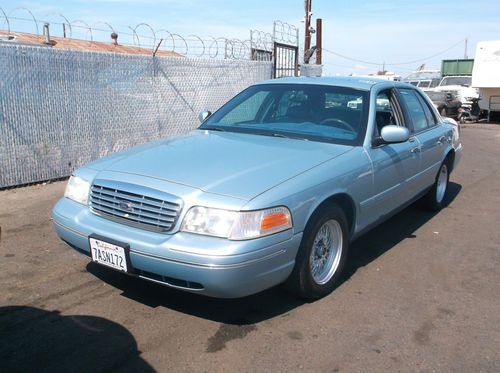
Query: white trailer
(486,75)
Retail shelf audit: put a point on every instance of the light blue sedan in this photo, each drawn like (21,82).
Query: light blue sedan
(270,189)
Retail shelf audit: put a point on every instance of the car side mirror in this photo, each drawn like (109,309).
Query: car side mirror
(391,134)
(204,115)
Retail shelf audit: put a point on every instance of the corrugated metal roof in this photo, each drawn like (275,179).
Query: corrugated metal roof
(86,45)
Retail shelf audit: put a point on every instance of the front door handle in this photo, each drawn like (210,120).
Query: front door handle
(415,150)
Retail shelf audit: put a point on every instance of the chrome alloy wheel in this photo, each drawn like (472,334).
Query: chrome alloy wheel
(326,252)
(442,182)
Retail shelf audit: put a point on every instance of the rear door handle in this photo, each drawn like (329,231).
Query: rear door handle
(441,140)
(415,150)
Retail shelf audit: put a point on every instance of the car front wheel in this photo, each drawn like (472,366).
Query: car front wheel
(322,254)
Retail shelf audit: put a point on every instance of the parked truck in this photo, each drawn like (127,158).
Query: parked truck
(486,76)
(457,79)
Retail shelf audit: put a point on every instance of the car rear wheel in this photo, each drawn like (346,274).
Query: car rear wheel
(435,198)
(322,254)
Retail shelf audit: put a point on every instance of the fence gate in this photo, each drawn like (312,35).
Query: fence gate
(281,47)
(286,60)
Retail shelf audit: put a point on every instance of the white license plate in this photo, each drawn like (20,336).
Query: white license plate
(108,254)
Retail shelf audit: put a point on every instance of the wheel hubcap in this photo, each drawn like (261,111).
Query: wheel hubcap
(441,183)
(326,252)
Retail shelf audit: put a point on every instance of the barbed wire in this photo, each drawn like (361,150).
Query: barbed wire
(143,35)
(143,24)
(29,12)
(63,17)
(6,19)
(261,40)
(87,26)
(286,33)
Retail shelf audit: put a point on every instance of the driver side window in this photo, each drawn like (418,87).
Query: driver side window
(386,111)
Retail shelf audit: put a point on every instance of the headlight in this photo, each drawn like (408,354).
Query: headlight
(236,225)
(77,190)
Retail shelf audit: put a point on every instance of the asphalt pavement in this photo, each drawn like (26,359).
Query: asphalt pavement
(421,294)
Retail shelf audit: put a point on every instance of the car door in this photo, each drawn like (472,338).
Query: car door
(430,135)
(393,164)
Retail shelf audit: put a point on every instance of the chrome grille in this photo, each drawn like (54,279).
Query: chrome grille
(134,205)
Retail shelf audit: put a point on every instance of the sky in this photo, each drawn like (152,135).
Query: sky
(358,36)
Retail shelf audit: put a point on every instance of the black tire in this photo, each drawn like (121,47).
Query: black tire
(435,198)
(302,281)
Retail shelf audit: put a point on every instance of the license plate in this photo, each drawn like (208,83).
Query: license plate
(108,254)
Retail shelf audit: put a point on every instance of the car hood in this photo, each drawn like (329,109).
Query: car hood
(233,164)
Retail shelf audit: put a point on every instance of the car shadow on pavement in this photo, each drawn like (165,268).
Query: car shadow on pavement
(388,234)
(36,340)
(275,301)
(241,311)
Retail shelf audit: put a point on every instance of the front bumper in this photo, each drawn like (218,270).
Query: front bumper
(207,265)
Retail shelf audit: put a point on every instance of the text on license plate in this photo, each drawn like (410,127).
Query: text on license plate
(108,254)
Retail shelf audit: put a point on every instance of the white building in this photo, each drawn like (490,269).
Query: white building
(486,75)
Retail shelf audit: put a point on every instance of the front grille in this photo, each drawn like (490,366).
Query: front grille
(134,205)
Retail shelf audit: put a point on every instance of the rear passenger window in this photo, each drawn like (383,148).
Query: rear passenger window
(415,109)
(431,119)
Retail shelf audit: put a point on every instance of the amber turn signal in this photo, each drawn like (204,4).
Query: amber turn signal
(274,220)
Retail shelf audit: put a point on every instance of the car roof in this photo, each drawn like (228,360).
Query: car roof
(361,83)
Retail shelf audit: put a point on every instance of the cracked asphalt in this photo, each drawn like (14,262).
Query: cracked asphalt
(421,294)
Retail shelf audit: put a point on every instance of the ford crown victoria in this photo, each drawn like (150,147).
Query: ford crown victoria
(270,189)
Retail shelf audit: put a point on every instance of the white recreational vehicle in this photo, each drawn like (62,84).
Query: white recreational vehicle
(486,76)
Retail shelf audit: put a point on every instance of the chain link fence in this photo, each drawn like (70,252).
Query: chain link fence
(60,109)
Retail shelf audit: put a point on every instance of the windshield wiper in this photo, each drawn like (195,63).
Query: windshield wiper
(273,134)
(279,135)
(219,129)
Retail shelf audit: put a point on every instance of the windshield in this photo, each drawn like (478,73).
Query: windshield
(299,111)
(457,80)
(424,74)
(424,83)
(436,96)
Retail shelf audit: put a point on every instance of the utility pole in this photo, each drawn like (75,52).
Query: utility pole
(465,52)
(307,39)
(319,42)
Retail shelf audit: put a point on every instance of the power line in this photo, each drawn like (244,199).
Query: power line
(394,63)
(351,58)
(428,58)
